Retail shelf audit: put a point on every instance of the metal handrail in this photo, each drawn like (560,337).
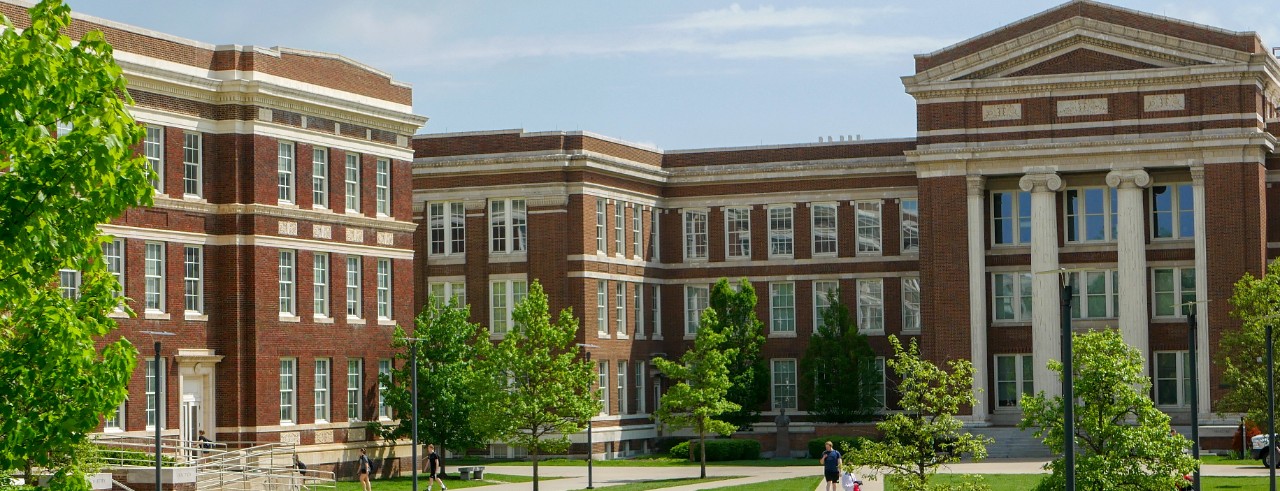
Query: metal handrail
(230,466)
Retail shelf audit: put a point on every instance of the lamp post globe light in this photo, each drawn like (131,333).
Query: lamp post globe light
(160,397)
(590,447)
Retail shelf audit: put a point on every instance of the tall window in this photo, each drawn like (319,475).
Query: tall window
(384,289)
(352,183)
(622,386)
(69,283)
(1172,212)
(1170,289)
(871,306)
(384,379)
(911,304)
(113,252)
(448,291)
(782,308)
(878,381)
(910,225)
(781,228)
(653,235)
(824,229)
(737,227)
(193,278)
(505,294)
(320,177)
(154,377)
(868,226)
(641,374)
(154,273)
(1013,379)
(1173,378)
(637,309)
(288,386)
(601,209)
(655,311)
(695,301)
(284,161)
(153,150)
(321,394)
(447,224)
(191,164)
(619,219)
(1011,296)
(507,225)
(620,307)
(286,282)
(695,234)
(784,384)
(1098,288)
(602,306)
(353,287)
(382,187)
(355,385)
(636,229)
(1091,214)
(320,284)
(602,373)
(822,300)
(1011,218)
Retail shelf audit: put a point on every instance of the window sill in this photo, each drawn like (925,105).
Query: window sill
(1166,318)
(153,315)
(386,322)
(602,335)
(194,198)
(288,423)
(774,257)
(690,337)
(868,253)
(621,336)
(729,258)
(639,337)
(879,332)
(320,208)
(1011,323)
(289,318)
(352,213)
(695,260)
(657,337)
(824,255)
(118,314)
(195,316)
(113,430)
(446,259)
(782,334)
(355,321)
(322,319)
(497,336)
(287,204)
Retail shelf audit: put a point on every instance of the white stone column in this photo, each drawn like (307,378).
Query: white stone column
(1046,321)
(1202,293)
(978,294)
(1131,248)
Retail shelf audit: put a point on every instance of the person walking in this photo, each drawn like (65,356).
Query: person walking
(831,467)
(433,463)
(363,468)
(301,480)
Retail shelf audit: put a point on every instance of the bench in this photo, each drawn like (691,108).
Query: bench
(470,473)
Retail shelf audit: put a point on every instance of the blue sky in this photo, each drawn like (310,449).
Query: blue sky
(666,73)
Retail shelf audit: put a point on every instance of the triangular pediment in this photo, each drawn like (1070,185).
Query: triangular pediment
(1082,52)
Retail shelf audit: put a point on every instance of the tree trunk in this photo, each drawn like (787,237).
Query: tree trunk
(441,458)
(535,467)
(702,445)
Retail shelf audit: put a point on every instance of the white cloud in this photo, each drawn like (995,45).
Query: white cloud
(735,18)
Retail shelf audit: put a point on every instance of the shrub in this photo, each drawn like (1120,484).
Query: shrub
(719,450)
(666,443)
(818,445)
(1238,440)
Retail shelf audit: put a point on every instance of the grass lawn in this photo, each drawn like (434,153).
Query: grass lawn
(793,484)
(658,484)
(1023,482)
(405,483)
(1220,460)
(651,461)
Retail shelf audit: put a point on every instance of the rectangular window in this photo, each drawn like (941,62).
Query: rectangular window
(601,248)
(636,230)
(384,379)
(355,385)
(822,300)
(288,386)
(1011,218)
(448,291)
(1173,378)
(154,273)
(193,278)
(737,228)
(871,306)
(911,304)
(910,218)
(695,234)
(878,382)
(782,308)
(353,287)
(1173,212)
(320,177)
(781,228)
(507,225)
(382,187)
(192,169)
(824,229)
(653,235)
(784,384)
(619,219)
(284,161)
(622,387)
(637,309)
(655,313)
(286,282)
(602,306)
(505,294)
(153,392)
(322,390)
(320,284)
(447,228)
(384,289)
(69,283)
(603,384)
(352,183)
(1011,296)
(1013,379)
(1093,294)
(113,252)
(1090,215)
(1171,288)
(868,226)
(641,374)
(115,420)
(696,299)
(153,150)
(620,307)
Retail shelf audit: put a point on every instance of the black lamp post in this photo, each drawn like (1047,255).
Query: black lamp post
(160,397)
(590,447)
(1195,395)
(413,418)
(1271,408)
(1068,389)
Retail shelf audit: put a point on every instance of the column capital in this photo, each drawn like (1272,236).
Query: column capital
(1197,175)
(976,184)
(1131,178)
(1039,182)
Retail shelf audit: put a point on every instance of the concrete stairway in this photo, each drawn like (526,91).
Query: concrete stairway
(1012,443)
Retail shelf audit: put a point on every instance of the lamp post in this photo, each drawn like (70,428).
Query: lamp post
(413,418)
(160,396)
(1068,388)
(590,447)
(1192,330)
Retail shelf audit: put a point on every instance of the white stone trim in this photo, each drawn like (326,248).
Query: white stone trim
(711,279)
(991,130)
(253,240)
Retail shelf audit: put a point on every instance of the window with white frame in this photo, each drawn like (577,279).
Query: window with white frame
(321,390)
(871,306)
(354,287)
(1090,214)
(1173,378)
(695,234)
(782,308)
(1011,297)
(507,225)
(446,222)
(637,309)
(620,307)
(737,227)
(320,177)
(382,187)
(603,384)
(154,272)
(1093,294)
(1010,218)
(653,234)
(637,228)
(781,231)
(622,386)
(114,254)
(193,278)
(504,295)
(192,169)
(285,165)
(63,128)
(115,421)
(619,220)
(602,306)
(443,292)
(355,387)
(288,388)
(1171,289)
(153,150)
(1173,212)
(784,384)
(878,382)
(911,304)
(287,275)
(822,291)
(384,289)
(69,283)
(351,183)
(384,380)
(696,299)
(641,374)
(655,311)
(910,219)
(1013,379)
(601,209)
(824,229)
(868,220)
(320,284)
(154,379)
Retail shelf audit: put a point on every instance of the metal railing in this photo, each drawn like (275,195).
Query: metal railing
(225,466)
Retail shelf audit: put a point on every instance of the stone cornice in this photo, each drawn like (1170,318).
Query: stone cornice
(163,203)
(1103,82)
(1196,141)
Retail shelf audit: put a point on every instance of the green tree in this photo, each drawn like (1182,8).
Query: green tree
(925,435)
(54,193)
(1122,441)
(838,380)
(1256,302)
(702,383)
(539,387)
(449,401)
(737,322)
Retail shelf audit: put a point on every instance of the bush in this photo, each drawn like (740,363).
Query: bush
(719,450)
(1238,440)
(818,445)
(666,443)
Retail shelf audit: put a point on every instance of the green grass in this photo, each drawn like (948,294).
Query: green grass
(647,461)
(1023,482)
(405,483)
(660,483)
(792,484)
(1220,460)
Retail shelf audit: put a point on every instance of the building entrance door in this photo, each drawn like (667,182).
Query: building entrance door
(191,416)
